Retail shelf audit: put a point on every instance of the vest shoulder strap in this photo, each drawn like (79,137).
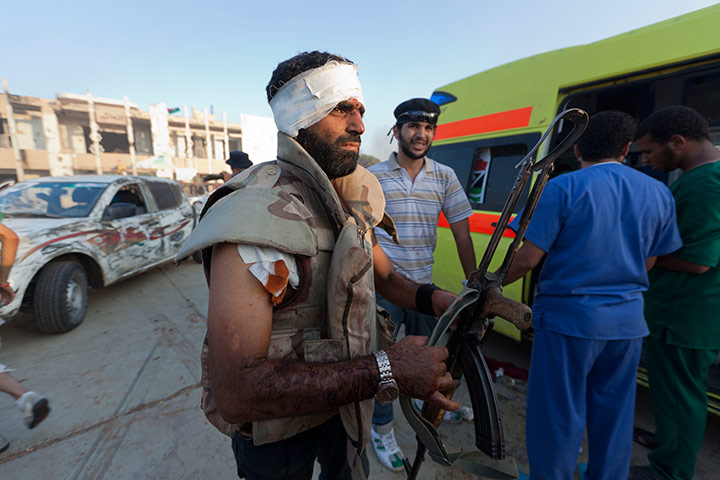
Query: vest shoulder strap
(254,214)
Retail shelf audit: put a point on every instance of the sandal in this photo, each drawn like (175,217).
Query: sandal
(644,438)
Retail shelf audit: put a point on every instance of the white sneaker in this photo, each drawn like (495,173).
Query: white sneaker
(449,417)
(387,450)
(467,413)
(34,408)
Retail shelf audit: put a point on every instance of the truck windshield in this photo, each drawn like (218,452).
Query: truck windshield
(50,199)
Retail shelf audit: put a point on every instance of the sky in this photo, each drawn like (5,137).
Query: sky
(220,54)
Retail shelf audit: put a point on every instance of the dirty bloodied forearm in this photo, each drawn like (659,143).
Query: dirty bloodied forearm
(264,389)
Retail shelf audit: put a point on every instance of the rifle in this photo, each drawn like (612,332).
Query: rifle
(477,304)
(212,176)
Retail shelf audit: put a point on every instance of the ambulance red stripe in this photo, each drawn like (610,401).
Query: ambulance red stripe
(494,122)
(480,223)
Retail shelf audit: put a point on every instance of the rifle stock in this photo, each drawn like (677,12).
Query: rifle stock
(496,305)
(435,414)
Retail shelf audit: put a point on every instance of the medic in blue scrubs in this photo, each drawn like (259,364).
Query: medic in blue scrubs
(599,229)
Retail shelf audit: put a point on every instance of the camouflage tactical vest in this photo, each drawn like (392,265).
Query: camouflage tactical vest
(291,205)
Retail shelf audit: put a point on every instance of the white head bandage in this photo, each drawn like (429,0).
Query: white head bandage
(310,96)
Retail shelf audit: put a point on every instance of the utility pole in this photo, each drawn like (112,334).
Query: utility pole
(227,139)
(95,136)
(19,171)
(209,149)
(188,140)
(130,135)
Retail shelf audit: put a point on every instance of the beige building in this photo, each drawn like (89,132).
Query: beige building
(78,134)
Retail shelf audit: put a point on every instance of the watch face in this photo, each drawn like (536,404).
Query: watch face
(387,392)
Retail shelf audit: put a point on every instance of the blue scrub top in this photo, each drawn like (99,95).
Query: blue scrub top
(598,226)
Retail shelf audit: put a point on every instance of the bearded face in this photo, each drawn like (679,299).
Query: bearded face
(657,154)
(415,138)
(330,153)
(334,141)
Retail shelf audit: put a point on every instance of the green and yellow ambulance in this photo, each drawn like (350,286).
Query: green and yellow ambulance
(490,120)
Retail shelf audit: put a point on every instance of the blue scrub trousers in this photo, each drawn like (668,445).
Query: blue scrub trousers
(576,382)
(415,324)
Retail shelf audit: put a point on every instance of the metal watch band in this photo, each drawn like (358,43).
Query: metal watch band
(383,363)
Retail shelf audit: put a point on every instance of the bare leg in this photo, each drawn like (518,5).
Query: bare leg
(9,385)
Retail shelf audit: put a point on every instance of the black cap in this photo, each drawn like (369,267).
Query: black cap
(239,159)
(417,110)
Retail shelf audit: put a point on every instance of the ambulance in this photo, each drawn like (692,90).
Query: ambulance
(490,120)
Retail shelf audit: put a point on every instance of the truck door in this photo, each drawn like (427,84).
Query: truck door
(175,217)
(131,247)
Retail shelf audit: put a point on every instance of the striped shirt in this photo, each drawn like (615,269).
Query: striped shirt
(415,207)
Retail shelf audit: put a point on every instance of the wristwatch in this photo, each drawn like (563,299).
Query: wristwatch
(387,388)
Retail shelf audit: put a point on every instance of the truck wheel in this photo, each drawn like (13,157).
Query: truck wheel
(61,296)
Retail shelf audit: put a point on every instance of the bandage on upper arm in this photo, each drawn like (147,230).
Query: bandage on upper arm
(274,269)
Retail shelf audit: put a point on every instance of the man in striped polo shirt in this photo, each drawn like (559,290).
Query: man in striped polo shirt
(416,190)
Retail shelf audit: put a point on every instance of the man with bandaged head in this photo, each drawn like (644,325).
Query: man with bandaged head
(290,364)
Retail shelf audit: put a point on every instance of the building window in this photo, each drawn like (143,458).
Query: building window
(30,133)
(199,147)
(115,142)
(143,139)
(4,135)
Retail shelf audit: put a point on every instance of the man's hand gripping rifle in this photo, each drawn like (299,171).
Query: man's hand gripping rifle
(472,313)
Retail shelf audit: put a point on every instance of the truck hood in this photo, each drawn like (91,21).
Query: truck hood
(30,227)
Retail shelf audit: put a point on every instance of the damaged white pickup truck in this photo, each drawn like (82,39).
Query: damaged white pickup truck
(85,231)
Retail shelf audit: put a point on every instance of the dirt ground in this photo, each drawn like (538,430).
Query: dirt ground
(124,392)
(512,397)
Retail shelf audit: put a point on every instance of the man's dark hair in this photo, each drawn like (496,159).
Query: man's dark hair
(676,120)
(296,65)
(606,135)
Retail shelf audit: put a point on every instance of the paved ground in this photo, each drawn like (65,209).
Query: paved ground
(124,392)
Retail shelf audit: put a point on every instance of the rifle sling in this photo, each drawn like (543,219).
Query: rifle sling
(467,297)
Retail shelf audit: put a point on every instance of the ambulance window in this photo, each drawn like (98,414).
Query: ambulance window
(702,92)
(486,167)
(493,176)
